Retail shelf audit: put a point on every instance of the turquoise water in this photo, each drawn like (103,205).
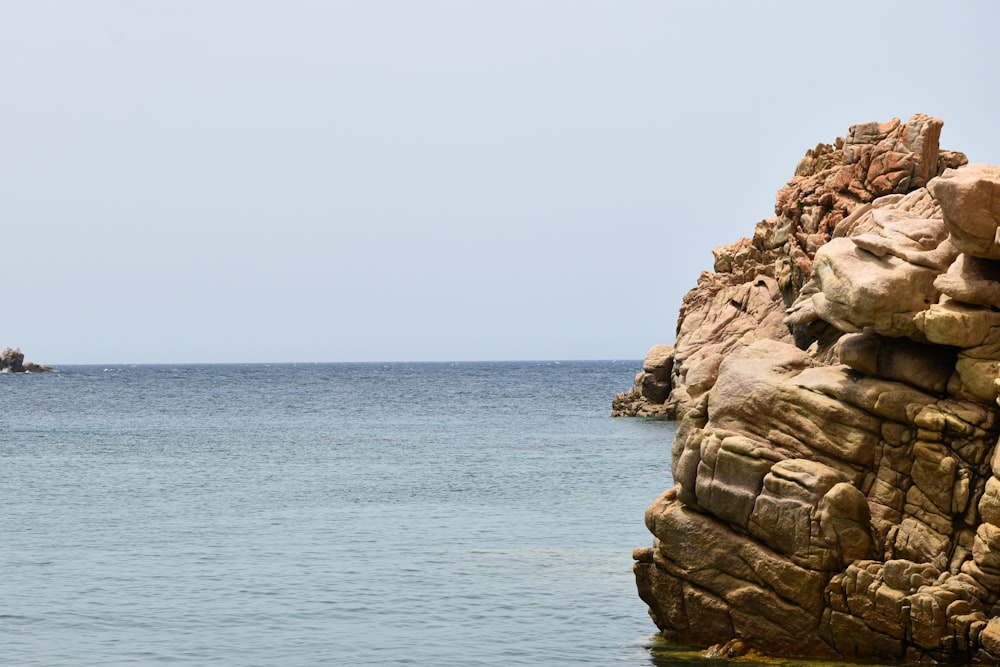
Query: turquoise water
(345,514)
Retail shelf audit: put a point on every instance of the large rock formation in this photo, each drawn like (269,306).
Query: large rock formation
(756,279)
(837,476)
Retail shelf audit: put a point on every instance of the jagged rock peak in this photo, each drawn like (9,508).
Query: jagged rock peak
(756,279)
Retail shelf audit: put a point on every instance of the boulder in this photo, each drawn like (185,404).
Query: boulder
(972,280)
(652,385)
(926,367)
(970,201)
(852,288)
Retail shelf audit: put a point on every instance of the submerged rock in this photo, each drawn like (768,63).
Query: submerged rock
(837,476)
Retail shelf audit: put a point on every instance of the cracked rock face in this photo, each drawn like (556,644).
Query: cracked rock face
(837,476)
(860,183)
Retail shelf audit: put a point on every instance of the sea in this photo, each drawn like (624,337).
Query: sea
(340,514)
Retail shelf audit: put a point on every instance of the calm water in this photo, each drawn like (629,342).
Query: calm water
(347,514)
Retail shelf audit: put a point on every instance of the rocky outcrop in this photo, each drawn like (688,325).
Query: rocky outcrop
(756,279)
(652,386)
(836,469)
(12,361)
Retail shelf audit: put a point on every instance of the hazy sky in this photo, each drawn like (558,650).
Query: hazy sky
(293,180)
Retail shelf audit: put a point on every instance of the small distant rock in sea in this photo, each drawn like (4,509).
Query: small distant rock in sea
(12,361)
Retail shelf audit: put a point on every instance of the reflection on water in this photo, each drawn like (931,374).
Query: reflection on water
(664,654)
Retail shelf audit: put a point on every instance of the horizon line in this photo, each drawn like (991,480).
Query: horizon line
(55,365)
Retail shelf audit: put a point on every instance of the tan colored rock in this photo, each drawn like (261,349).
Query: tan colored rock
(936,474)
(659,361)
(989,639)
(972,280)
(767,599)
(926,367)
(652,386)
(917,541)
(853,288)
(810,424)
(986,548)
(703,374)
(928,620)
(989,503)
(887,400)
(975,379)
(989,581)
(866,219)
(899,157)
(717,320)
(970,201)
(956,324)
(907,576)
(806,512)
(730,476)
(918,505)
(838,472)
(745,386)
(852,638)
(914,239)
(940,613)
(845,524)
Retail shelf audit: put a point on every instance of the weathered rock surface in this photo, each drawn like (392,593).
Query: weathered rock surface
(12,361)
(970,201)
(836,469)
(835,186)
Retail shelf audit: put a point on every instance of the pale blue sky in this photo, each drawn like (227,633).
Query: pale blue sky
(239,180)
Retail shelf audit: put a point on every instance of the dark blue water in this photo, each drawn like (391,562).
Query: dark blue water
(346,514)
